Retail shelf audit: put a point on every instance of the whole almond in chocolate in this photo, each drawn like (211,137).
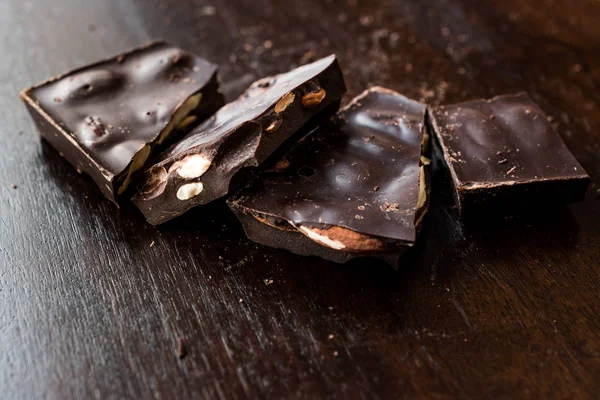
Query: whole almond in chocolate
(107,118)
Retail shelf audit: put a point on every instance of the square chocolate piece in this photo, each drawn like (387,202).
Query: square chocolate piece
(107,118)
(504,155)
(356,187)
(221,154)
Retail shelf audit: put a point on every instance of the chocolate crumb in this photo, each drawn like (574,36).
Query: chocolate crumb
(510,171)
(13,186)
(181,350)
(502,161)
(376,188)
(331,336)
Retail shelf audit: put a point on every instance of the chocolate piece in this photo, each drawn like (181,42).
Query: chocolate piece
(107,117)
(216,157)
(504,154)
(356,187)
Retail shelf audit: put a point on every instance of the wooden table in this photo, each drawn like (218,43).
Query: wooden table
(93,300)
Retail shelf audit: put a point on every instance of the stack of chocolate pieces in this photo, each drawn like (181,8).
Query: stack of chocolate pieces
(151,125)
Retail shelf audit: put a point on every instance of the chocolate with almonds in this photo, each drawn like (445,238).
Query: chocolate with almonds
(221,154)
(107,118)
(356,187)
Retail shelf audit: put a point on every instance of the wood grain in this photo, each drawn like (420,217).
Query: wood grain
(93,301)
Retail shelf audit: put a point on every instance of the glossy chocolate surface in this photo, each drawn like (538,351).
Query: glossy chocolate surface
(504,142)
(362,173)
(111,109)
(212,158)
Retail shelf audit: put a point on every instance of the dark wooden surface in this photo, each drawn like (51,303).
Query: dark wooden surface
(93,300)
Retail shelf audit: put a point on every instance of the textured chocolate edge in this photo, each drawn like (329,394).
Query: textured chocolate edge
(297,243)
(422,212)
(425,162)
(439,166)
(440,152)
(524,195)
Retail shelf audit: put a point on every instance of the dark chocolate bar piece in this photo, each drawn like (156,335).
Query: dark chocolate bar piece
(218,156)
(106,118)
(503,154)
(355,187)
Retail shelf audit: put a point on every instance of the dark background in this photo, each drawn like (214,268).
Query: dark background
(93,300)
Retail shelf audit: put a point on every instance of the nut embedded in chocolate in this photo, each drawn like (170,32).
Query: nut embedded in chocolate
(193,166)
(107,118)
(237,139)
(274,126)
(355,187)
(313,99)
(284,102)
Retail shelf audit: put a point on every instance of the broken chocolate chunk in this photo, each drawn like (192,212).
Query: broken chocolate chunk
(503,154)
(355,187)
(217,156)
(107,118)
